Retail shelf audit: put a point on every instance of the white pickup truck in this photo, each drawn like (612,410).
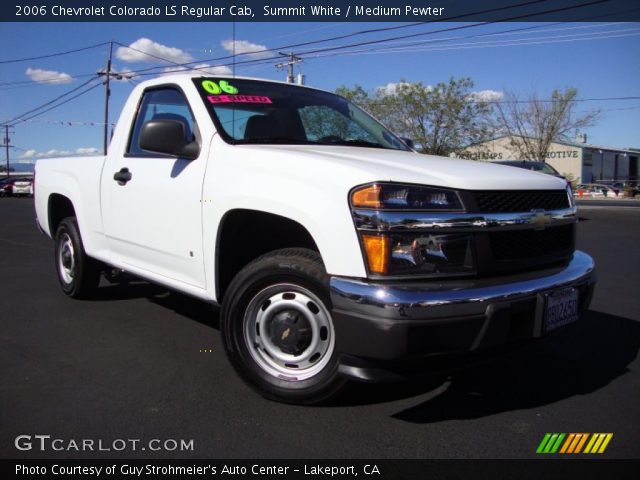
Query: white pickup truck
(334,250)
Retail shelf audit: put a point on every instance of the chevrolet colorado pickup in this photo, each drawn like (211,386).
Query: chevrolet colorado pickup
(334,250)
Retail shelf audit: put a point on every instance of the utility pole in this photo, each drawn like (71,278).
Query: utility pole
(107,94)
(293,59)
(6,146)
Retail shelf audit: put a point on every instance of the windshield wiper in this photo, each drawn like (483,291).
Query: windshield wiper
(354,143)
(274,140)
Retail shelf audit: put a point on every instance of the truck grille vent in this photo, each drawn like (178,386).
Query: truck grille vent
(521,201)
(529,244)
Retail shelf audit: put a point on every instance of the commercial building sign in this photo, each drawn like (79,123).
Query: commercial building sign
(562,154)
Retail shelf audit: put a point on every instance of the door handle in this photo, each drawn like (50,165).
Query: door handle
(123,176)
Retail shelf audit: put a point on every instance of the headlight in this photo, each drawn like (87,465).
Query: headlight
(391,196)
(420,254)
(423,254)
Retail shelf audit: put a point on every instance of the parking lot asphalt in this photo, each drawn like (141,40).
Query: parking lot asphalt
(144,363)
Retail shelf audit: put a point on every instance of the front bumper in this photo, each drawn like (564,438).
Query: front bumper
(380,325)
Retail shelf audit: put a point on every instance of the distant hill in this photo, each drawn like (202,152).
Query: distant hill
(18,168)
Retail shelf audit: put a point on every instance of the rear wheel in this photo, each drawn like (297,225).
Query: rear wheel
(277,327)
(78,274)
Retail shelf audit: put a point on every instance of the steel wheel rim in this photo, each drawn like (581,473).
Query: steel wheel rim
(267,328)
(66,259)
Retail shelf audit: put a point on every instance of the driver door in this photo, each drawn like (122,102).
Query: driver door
(153,220)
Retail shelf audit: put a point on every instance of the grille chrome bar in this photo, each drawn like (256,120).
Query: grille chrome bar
(379,221)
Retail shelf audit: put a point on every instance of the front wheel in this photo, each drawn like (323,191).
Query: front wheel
(277,327)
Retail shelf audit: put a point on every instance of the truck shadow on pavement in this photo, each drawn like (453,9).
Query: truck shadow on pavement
(579,361)
(130,288)
(584,358)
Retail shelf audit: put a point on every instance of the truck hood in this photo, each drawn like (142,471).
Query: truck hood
(357,165)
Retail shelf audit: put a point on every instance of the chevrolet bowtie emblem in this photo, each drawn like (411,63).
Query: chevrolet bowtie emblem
(285,334)
(540,220)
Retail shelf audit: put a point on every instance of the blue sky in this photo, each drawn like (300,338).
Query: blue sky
(600,60)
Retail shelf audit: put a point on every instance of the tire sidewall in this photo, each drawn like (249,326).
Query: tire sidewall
(248,283)
(69,226)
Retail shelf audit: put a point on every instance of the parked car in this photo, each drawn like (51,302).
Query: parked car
(8,186)
(541,167)
(23,188)
(595,190)
(335,251)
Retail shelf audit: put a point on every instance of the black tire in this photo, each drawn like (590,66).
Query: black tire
(277,328)
(78,274)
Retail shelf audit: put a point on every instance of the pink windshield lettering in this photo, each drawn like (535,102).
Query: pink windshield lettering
(238,99)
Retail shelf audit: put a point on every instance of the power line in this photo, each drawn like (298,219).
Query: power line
(47,103)
(450,29)
(57,105)
(510,32)
(425,46)
(147,53)
(38,82)
(491,102)
(340,37)
(334,48)
(144,72)
(376,30)
(57,54)
(362,32)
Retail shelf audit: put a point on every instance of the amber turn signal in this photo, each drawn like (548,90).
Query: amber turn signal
(367,197)
(377,249)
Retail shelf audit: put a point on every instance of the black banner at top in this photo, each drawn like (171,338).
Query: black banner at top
(319,11)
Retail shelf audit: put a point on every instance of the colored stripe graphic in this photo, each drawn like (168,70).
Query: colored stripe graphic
(598,442)
(543,443)
(574,443)
(550,443)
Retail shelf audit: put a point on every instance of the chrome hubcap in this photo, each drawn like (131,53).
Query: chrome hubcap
(289,332)
(66,259)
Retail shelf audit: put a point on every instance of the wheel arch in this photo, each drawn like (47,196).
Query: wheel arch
(59,207)
(246,234)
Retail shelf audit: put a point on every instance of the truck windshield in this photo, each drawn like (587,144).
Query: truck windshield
(256,112)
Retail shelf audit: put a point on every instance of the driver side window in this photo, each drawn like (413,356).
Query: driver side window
(161,103)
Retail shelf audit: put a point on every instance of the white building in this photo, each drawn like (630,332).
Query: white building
(584,162)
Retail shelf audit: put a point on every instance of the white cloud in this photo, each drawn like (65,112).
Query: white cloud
(201,68)
(48,76)
(54,153)
(252,50)
(25,161)
(87,151)
(145,45)
(390,88)
(30,155)
(486,96)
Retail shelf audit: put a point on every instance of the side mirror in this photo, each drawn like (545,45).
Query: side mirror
(168,137)
(408,142)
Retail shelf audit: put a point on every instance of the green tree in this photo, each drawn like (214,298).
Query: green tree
(440,119)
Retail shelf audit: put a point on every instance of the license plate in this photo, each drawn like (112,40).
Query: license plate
(562,308)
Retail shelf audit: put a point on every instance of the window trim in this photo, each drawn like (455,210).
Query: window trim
(164,86)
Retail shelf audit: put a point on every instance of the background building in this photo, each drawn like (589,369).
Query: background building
(584,162)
